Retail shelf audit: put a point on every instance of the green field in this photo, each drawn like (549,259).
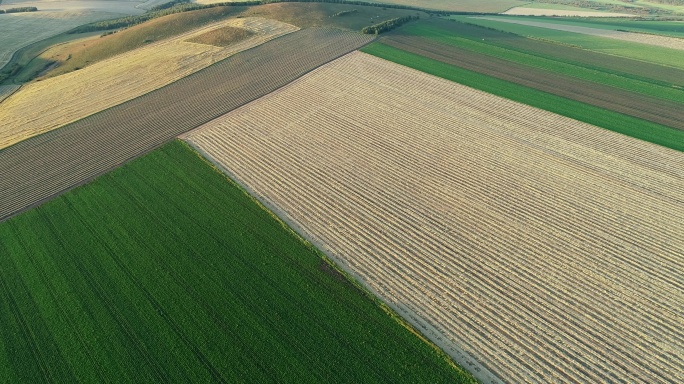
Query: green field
(653,54)
(164,270)
(664,28)
(534,54)
(613,121)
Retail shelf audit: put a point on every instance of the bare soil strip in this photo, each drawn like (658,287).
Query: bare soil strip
(46,165)
(660,41)
(660,111)
(547,248)
(49,104)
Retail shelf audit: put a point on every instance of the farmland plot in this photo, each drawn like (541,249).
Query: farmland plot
(18,30)
(6,90)
(531,11)
(548,249)
(641,38)
(46,105)
(41,167)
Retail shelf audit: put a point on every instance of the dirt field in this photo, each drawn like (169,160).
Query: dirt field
(46,105)
(548,249)
(525,11)
(660,41)
(41,167)
(668,113)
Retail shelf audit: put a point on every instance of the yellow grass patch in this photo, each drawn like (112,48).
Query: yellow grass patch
(547,248)
(46,105)
(222,37)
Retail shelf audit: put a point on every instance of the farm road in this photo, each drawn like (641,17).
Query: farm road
(45,166)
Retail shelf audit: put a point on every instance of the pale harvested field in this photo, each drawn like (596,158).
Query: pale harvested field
(42,106)
(525,11)
(18,30)
(548,249)
(660,41)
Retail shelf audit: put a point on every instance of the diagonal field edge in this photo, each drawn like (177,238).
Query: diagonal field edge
(40,168)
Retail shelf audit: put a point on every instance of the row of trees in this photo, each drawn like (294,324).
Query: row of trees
(18,10)
(388,25)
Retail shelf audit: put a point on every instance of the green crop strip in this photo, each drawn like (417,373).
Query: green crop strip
(613,121)
(164,270)
(653,54)
(501,50)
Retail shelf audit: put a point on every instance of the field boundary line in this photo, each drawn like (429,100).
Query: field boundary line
(409,320)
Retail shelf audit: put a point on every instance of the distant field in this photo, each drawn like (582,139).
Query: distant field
(660,41)
(165,271)
(18,30)
(560,10)
(6,90)
(489,6)
(81,54)
(46,165)
(46,105)
(305,15)
(643,52)
(614,121)
(547,248)
(665,28)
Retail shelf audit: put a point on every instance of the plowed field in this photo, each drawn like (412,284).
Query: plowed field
(547,248)
(45,165)
(659,41)
(668,113)
(48,104)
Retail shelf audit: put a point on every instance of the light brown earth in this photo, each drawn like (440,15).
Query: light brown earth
(42,106)
(548,249)
(660,41)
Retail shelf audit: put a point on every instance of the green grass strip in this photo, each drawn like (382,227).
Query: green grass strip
(648,53)
(497,49)
(164,270)
(630,126)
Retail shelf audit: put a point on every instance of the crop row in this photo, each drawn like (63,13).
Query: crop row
(42,106)
(604,118)
(546,248)
(48,164)
(149,274)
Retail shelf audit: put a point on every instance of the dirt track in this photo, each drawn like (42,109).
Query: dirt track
(549,249)
(660,111)
(43,166)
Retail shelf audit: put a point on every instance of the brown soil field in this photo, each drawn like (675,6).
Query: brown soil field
(653,109)
(609,63)
(222,37)
(660,41)
(548,249)
(43,166)
(42,106)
